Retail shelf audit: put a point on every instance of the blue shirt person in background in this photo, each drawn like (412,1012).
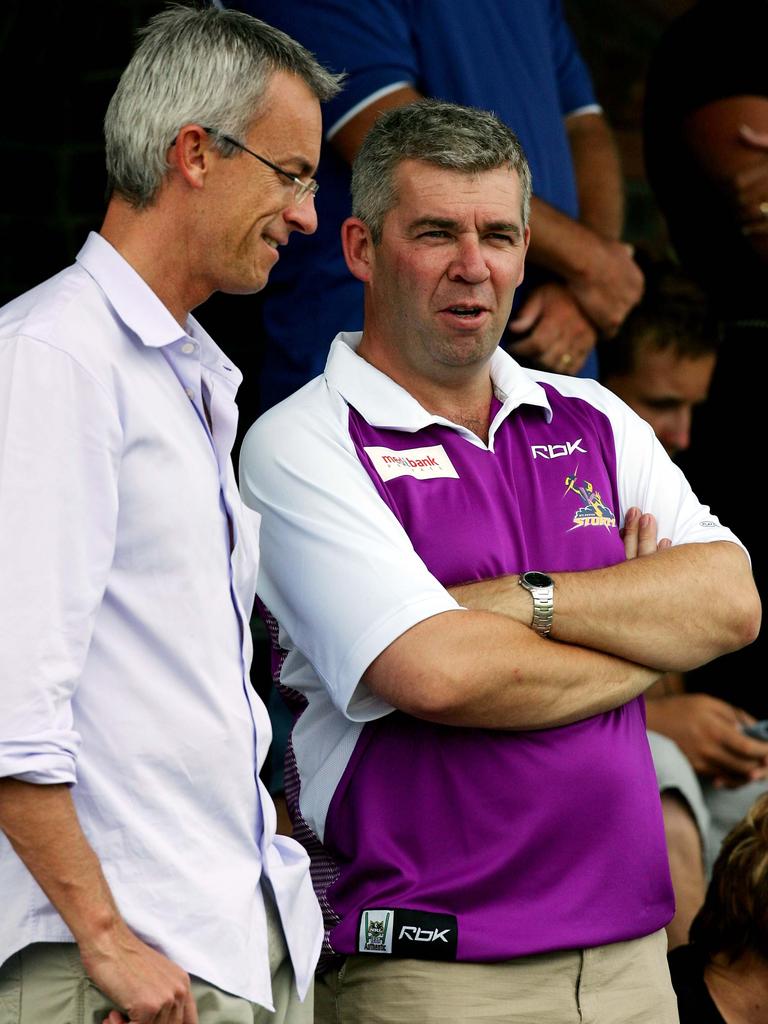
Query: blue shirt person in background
(519,60)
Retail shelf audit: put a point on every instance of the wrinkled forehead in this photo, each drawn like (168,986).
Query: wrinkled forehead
(424,189)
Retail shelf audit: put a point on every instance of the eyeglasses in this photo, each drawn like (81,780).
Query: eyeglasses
(301,188)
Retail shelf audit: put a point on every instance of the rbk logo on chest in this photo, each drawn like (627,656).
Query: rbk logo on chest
(556,451)
(421,463)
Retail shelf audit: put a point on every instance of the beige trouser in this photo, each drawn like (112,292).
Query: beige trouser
(623,983)
(46,984)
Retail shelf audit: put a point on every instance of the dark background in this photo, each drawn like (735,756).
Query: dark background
(60,64)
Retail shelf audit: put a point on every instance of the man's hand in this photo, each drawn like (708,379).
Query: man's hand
(708,731)
(560,337)
(749,186)
(609,286)
(640,535)
(150,988)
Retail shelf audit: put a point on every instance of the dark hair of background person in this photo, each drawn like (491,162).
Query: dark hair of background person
(673,314)
(734,917)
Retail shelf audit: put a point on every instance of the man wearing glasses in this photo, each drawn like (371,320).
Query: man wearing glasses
(139,871)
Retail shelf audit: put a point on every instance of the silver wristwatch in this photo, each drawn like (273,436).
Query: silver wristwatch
(542,590)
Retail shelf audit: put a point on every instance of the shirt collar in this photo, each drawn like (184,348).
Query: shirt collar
(383,403)
(142,312)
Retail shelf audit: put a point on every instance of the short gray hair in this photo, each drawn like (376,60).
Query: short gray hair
(206,66)
(443,134)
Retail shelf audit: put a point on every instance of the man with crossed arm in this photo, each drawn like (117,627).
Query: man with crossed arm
(479,800)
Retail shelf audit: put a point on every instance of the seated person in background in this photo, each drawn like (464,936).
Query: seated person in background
(662,360)
(661,364)
(480,802)
(722,976)
(704,129)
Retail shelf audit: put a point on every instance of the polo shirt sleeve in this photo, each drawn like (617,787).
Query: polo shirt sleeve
(336,568)
(574,83)
(59,445)
(370,40)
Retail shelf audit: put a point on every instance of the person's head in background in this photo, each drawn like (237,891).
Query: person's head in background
(662,360)
(732,925)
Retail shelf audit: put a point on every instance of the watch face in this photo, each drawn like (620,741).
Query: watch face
(537,579)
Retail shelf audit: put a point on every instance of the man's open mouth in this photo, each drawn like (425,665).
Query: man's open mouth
(466,311)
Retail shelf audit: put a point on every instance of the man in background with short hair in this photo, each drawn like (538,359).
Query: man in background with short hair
(662,360)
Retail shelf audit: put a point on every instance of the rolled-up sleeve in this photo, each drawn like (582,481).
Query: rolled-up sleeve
(60,443)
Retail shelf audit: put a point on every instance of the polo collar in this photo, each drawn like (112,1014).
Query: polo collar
(385,404)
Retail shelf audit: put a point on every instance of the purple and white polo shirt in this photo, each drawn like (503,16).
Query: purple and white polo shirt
(438,841)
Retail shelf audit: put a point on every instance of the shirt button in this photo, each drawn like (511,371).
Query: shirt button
(190,392)
(188,347)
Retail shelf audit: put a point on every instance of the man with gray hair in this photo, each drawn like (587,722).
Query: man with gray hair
(479,801)
(140,874)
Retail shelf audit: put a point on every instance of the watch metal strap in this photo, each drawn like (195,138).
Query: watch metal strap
(543,609)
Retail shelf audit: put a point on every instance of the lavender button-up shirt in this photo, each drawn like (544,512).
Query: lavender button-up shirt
(128,570)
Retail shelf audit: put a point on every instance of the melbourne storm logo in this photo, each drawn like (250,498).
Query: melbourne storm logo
(592,512)
(375,936)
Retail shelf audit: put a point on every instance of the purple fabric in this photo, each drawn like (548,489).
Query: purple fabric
(538,840)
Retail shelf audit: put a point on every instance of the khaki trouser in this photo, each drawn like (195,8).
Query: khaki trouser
(622,983)
(46,984)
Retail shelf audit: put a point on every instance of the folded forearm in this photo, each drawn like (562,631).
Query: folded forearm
(675,610)
(600,272)
(483,670)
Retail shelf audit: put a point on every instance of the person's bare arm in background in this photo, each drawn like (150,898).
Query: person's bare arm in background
(729,139)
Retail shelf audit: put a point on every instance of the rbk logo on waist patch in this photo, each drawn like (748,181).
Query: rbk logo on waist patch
(421,463)
(418,934)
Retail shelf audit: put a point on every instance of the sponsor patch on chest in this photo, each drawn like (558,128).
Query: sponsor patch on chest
(428,463)
(418,934)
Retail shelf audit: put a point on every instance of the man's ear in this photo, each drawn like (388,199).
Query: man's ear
(526,243)
(358,248)
(190,154)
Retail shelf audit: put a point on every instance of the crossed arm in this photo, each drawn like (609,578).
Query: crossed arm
(619,628)
(673,612)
